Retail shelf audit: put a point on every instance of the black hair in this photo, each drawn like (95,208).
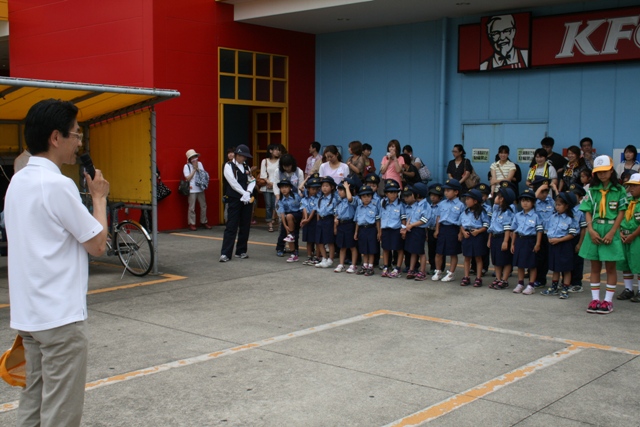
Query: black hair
(614,179)
(366,146)
(333,193)
(625,174)
(287,160)
(504,206)
(460,148)
(272,147)
(43,118)
(586,139)
(476,209)
(633,149)
(503,148)
(316,145)
(569,211)
(547,141)
(333,150)
(407,148)
(541,152)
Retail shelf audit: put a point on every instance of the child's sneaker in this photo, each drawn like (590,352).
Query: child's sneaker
(420,276)
(280,253)
(308,261)
(605,307)
(593,307)
(352,269)
(536,284)
(576,289)
(502,285)
(626,294)
(316,260)
(368,271)
(528,290)
(289,238)
(320,264)
(411,274)
(564,293)
(293,258)
(449,277)
(636,297)
(551,290)
(436,276)
(395,274)
(339,269)
(385,272)
(518,289)
(465,281)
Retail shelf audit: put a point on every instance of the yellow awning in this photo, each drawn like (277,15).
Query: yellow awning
(95,102)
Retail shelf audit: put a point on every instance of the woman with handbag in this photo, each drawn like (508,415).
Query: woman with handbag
(192,173)
(503,169)
(268,168)
(460,168)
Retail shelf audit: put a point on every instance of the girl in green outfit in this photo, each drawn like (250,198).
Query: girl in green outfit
(604,207)
(629,232)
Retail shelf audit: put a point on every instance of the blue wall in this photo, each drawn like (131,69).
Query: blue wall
(378,84)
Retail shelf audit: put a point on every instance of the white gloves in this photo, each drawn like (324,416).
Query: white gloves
(246,197)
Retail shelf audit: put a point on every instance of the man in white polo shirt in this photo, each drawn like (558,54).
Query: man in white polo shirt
(50,232)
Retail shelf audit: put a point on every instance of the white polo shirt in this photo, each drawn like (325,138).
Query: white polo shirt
(46,225)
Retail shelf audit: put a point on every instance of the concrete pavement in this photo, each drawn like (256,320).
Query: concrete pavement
(263,342)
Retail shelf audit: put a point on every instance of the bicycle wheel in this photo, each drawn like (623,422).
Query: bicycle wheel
(134,248)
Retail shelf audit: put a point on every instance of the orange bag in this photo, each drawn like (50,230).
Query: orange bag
(12,364)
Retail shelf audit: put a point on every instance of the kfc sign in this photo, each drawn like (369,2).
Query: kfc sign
(609,35)
(502,41)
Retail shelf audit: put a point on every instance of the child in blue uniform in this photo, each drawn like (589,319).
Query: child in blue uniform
(367,233)
(474,223)
(392,220)
(436,194)
(417,211)
(485,189)
(500,234)
(344,227)
(561,229)
(309,220)
(578,261)
(324,227)
(373,181)
(290,212)
(526,235)
(545,207)
(448,230)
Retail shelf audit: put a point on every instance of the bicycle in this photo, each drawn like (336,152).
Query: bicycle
(128,240)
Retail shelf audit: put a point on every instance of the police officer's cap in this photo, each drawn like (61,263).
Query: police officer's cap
(569,198)
(328,179)
(507,194)
(436,189)
(483,188)
(539,181)
(353,181)
(420,189)
(452,184)
(527,194)
(285,182)
(508,184)
(372,178)
(474,194)
(365,189)
(392,185)
(577,189)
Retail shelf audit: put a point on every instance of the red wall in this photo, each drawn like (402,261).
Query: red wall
(158,44)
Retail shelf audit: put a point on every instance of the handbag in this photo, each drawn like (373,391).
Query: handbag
(473,179)
(425,173)
(184,187)
(162,191)
(12,364)
(202,179)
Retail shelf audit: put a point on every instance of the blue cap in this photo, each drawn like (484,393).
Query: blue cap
(527,194)
(372,178)
(569,198)
(365,189)
(392,185)
(507,194)
(285,182)
(474,194)
(436,189)
(420,188)
(452,184)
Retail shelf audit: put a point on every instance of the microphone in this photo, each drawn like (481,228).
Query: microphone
(88,165)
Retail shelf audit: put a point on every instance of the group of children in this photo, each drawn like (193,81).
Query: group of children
(538,231)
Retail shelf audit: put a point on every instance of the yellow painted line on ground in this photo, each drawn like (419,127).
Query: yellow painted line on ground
(165,279)
(196,236)
(9,406)
(478,392)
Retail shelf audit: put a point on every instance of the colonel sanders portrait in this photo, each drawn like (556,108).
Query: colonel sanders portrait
(501,30)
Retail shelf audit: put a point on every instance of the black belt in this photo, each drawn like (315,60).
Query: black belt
(367,225)
(498,234)
(520,236)
(326,216)
(344,221)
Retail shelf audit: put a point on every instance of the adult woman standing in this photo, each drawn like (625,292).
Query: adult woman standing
(459,168)
(288,169)
(333,165)
(630,163)
(571,174)
(543,168)
(268,168)
(503,169)
(356,161)
(391,165)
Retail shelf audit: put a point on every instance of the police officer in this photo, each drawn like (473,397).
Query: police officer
(241,185)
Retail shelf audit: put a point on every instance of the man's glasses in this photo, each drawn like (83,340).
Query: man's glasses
(79,136)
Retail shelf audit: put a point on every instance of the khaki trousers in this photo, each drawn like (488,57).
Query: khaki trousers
(192,208)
